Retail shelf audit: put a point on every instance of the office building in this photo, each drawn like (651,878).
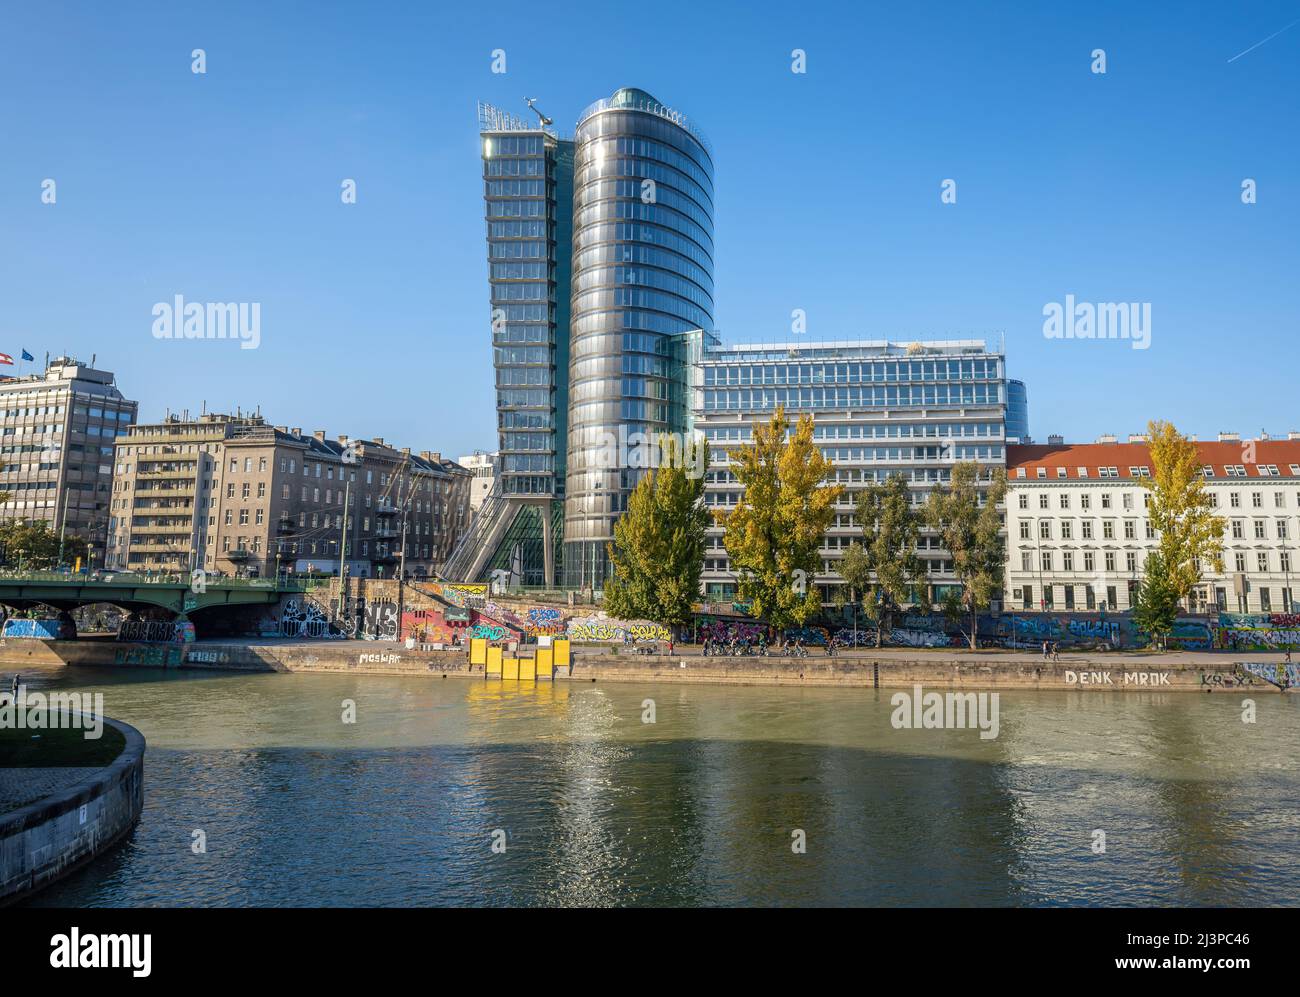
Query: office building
(56,457)
(879,408)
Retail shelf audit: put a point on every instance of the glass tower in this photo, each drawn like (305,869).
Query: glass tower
(642,286)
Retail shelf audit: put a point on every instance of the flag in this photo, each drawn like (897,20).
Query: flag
(27,356)
(6,358)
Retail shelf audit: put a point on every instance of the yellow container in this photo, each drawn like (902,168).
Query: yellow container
(478,650)
(561,652)
(545,663)
(494,661)
(527,669)
(510,669)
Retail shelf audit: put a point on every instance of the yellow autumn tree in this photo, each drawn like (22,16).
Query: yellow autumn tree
(1190,534)
(774,534)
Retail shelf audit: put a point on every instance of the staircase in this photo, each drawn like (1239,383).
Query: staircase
(471,554)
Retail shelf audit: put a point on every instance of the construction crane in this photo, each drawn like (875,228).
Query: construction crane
(531,101)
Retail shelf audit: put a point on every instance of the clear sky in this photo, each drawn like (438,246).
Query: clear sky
(1122,187)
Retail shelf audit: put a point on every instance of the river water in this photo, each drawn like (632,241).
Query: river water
(703,806)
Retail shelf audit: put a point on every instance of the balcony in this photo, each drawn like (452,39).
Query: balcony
(239,554)
(385,508)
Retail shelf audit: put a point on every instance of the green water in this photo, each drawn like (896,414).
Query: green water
(701,807)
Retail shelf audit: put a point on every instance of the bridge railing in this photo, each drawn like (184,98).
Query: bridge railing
(102,577)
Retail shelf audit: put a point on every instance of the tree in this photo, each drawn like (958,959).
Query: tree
(1189,532)
(884,567)
(1155,605)
(969,526)
(774,535)
(658,549)
(35,545)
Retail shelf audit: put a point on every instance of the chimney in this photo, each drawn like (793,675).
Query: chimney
(343,438)
(296,431)
(1053,440)
(436,457)
(406,451)
(379,440)
(1106,438)
(1229,438)
(426,455)
(320,435)
(281,429)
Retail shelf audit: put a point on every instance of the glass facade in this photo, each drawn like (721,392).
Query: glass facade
(880,409)
(642,285)
(528,197)
(1017,411)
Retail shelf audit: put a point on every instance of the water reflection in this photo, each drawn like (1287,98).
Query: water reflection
(698,808)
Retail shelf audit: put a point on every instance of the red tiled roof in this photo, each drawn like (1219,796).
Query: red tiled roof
(1281,454)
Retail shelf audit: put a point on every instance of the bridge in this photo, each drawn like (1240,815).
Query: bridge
(133,592)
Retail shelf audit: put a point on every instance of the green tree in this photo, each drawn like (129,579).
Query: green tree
(1155,605)
(969,525)
(884,568)
(1189,532)
(774,534)
(658,549)
(35,545)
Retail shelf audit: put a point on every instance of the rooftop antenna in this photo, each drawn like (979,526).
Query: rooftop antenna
(537,111)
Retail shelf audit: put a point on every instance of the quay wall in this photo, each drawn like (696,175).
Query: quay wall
(939,667)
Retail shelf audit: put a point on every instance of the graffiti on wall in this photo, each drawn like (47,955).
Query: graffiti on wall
(598,628)
(1281,675)
(157,656)
(157,631)
(306,619)
(1258,631)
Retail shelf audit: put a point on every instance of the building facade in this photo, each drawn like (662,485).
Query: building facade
(234,495)
(1079,532)
(642,276)
(56,458)
(880,409)
(483,472)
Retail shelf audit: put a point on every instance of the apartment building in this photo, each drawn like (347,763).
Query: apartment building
(235,495)
(1078,529)
(57,431)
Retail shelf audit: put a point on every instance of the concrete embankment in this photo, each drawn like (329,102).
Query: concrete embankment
(886,669)
(49,838)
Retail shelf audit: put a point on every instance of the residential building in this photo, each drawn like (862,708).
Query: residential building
(880,409)
(234,495)
(1079,532)
(58,429)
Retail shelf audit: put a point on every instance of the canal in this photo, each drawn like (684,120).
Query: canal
(588,804)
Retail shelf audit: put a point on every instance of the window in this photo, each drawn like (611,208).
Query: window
(1085,501)
(1083,472)
(1239,559)
(1026,561)
(1110,561)
(1068,558)
(1256,500)
(1259,530)
(1067,529)
(1108,529)
(1024,501)
(1024,529)
(1045,529)
(1047,561)
(1238,530)
(1043,500)
(1065,500)
(1130,529)
(1087,529)
(1131,561)
(1042,472)
(1105,500)
(1261,560)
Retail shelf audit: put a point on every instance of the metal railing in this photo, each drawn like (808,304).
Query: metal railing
(116,578)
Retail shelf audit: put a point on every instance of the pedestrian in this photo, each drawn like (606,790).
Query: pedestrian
(670,647)
(14,687)
(1045,650)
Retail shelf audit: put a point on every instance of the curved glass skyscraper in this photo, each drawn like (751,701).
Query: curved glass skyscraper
(642,280)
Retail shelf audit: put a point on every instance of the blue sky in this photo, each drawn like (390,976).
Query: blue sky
(225,187)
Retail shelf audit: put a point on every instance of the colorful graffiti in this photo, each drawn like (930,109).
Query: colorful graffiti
(1276,673)
(602,629)
(728,630)
(47,629)
(544,621)
(1258,632)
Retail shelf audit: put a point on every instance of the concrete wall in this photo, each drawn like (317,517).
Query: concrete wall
(939,667)
(46,840)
